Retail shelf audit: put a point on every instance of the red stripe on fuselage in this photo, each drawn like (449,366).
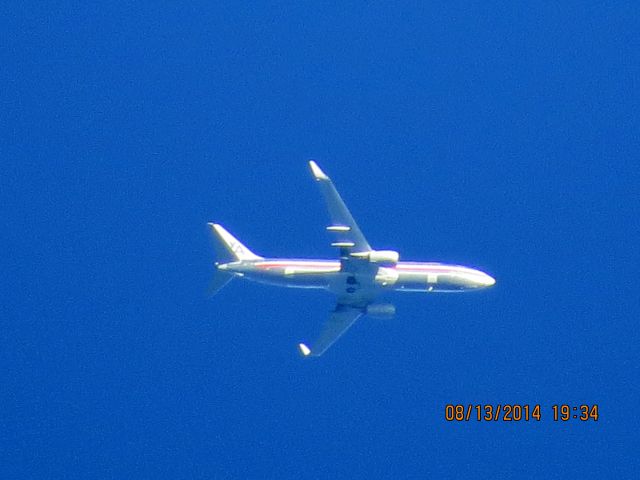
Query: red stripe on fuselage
(405,267)
(301,263)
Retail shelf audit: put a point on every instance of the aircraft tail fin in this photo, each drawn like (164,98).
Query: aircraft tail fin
(228,248)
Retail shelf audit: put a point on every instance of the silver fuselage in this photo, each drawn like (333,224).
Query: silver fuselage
(356,277)
(327,274)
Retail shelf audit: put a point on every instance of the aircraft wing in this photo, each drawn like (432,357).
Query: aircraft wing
(347,234)
(339,322)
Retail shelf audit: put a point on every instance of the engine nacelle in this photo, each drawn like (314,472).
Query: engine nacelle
(384,257)
(383,311)
(386,277)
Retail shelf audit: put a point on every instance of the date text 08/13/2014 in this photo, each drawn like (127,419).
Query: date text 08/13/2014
(520,412)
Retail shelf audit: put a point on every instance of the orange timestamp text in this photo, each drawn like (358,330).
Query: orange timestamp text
(518,412)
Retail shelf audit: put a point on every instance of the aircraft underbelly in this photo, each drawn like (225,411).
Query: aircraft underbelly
(428,282)
(295,280)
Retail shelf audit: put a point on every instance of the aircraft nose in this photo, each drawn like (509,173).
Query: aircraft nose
(487,280)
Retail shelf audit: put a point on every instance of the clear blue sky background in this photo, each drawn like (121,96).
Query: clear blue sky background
(491,134)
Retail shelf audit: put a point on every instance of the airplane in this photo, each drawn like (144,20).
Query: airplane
(357,277)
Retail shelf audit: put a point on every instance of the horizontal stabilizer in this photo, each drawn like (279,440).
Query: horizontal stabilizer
(219,280)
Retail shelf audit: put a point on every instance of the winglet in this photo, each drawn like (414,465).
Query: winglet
(317,172)
(304,349)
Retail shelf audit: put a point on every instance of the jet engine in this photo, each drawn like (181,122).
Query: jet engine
(382,311)
(386,276)
(387,258)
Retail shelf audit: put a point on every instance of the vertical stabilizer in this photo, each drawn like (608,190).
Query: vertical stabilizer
(228,248)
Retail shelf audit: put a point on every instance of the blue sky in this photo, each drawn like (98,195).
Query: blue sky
(490,134)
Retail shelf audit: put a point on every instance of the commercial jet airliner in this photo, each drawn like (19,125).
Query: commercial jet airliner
(356,278)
